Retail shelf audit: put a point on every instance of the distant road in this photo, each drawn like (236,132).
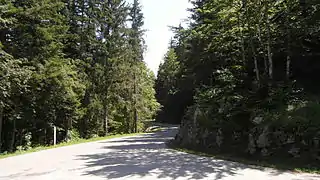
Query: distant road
(142,157)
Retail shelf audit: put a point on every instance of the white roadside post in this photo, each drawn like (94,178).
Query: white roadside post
(54,135)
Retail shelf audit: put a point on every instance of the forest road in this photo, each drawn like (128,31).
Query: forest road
(142,157)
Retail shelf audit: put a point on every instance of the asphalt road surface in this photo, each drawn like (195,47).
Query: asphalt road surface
(143,157)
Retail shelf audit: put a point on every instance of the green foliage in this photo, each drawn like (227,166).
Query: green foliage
(147,104)
(73,142)
(75,65)
(243,75)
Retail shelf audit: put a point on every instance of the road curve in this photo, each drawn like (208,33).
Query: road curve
(142,157)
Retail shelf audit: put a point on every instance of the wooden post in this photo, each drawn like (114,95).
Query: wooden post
(54,135)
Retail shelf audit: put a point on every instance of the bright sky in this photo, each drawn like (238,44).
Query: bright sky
(159,14)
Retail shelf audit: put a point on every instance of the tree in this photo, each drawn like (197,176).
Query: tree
(75,65)
(166,84)
(242,71)
(136,41)
(14,84)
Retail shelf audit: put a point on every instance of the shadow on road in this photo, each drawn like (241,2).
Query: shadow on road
(147,155)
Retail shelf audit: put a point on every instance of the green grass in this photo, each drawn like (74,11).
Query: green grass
(73,142)
(285,165)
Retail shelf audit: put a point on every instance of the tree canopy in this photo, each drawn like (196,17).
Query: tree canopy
(77,65)
(243,71)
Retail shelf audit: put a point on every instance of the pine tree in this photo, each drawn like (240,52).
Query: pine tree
(113,30)
(136,41)
(76,65)
(243,61)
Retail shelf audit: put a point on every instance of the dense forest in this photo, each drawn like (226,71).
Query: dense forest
(243,77)
(72,64)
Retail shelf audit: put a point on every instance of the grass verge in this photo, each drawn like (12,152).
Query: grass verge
(280,164)
(73,142)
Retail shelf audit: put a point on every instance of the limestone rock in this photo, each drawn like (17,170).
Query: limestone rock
(263,140)
(257,120)
(251,145)
(219,138)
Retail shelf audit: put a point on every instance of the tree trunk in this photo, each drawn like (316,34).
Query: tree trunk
(240,24)
(256,67)
(82,50)
(288,59)
(135,105)
(1,122)
(86,103)
(105,122)
(262,44)
(68,128)
(255,61)
(45,135)
(68,135)
(265,66)
(13,136)
(288,46)
(127,122)
(269,43)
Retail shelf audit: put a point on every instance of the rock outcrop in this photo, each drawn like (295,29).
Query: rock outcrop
(260,141)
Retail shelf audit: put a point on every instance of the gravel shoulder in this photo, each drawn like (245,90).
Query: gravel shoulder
(143,157)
